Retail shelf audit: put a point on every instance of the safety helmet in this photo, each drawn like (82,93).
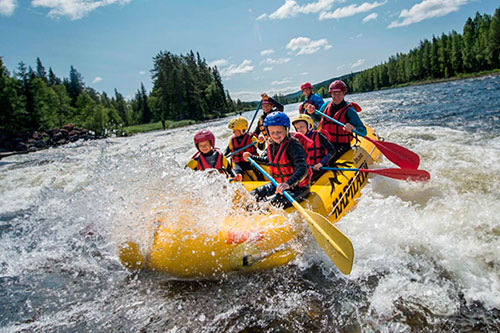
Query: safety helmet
(277,118)
(337,86)
(238,123)
(303,117)
(306,85)
(204,135)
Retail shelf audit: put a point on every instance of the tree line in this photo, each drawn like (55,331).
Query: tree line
(35,99)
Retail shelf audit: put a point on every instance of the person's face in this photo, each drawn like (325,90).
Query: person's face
(307,92)
(337,96)
(301,127)
(237,132)
(205,147)
(267,107)
(277,133)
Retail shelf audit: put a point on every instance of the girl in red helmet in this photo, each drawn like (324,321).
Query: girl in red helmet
(209,157)
(268,105)
(313,99)
(346,113)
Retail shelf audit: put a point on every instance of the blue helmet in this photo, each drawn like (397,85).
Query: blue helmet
(277,118)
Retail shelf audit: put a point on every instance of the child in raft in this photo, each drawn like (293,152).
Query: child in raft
(239,140)
(286,159)
(208,157)
(320,151)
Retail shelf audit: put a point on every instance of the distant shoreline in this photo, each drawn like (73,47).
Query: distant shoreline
(494,72)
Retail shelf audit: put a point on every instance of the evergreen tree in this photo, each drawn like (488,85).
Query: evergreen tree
(468,56)
(494,40)
(53,79)
(40,70)
(74,85)
(12,111)
(146,114)
(121,107)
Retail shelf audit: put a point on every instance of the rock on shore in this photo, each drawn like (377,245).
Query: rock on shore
(22,143)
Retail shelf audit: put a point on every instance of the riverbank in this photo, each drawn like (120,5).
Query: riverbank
(143,128)
(493,72)
(23,143)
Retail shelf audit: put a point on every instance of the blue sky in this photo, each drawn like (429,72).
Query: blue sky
(259,46)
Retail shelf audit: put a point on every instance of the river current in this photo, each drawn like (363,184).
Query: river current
(427,255)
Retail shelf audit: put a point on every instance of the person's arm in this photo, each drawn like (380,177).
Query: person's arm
(323,140)
(228,149)
(192,164)
(297,156)
(229,169)
(260,145)
(317,101)
(257,130)
(353,119)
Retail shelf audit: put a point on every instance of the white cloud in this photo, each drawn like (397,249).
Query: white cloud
(358,63)
(74,9)
(244,67)
(283,81)
(340,67)
(291,9)
(219,63)
(277,61)
(266,52)
(7,7)
(427,9)
(267,69)
(97,80)
(350,10)
(142,72)
(370,17)
(305,45)
(304,73)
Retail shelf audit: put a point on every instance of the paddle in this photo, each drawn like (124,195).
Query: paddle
(242,148)
(255,114)
(404,174)
(335,244)
(400,156)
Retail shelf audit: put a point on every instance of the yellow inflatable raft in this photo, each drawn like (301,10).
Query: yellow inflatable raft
(250,242)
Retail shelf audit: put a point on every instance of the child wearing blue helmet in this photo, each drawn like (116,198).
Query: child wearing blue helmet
(286,159)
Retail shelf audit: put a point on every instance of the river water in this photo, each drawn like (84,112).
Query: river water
(427,256)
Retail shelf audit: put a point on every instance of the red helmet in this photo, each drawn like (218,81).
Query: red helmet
(306,85)
(204,135)
(266,101)
(337,86)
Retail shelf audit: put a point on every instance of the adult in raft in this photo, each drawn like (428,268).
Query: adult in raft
(208,157)
(312,99)
(268,105)
(286,159)
(346,113)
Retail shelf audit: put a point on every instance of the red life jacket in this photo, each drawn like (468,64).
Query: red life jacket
(316,151)
(203,163)
(280,166)
(334,132)
(247,139)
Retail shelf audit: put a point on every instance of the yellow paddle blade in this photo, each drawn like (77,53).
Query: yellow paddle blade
(335,244)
